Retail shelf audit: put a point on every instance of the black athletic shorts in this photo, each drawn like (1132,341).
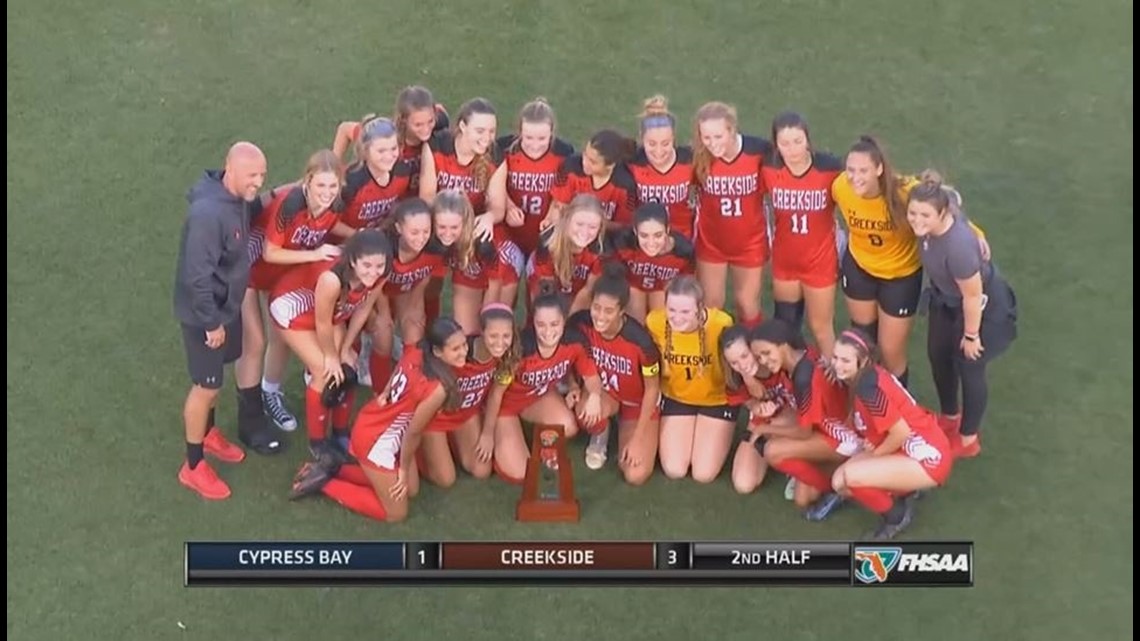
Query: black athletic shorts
(673,407)
(206,365)
(897,297)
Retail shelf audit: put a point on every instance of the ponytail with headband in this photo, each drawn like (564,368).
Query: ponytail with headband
(855,338)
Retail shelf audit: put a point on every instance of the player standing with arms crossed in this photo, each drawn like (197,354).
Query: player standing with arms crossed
(210,283)
(732,234)
(805,261)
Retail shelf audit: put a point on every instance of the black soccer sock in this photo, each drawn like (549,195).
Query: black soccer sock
(791,313)
(194,454)
(249,401)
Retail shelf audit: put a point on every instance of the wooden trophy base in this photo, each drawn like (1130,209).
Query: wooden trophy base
(548,489)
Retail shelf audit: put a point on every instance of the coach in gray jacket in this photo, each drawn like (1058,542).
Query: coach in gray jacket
(213,272)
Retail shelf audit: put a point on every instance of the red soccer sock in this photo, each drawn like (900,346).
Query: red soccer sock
(353,474)
(751,323)
(361,500)
(805,472)
(341,413)
(513,480)
(316,415)
(878,501)
(380,367)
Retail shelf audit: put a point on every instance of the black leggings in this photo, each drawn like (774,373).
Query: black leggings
(950,367)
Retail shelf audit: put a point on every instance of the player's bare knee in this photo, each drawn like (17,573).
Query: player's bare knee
(637,475)
(675,470)
(397,514)
(704,476)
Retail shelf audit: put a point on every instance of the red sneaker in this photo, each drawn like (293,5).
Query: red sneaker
(204,481)
(950,424)
(967,451)
(216,445)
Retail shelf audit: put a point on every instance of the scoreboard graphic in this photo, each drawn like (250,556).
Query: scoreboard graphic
(915,564)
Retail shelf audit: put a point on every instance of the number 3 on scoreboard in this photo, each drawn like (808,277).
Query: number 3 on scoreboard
(730,207)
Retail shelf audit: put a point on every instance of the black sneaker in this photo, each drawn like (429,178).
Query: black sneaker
(256,434)
(309,480)
(824,506)
(887,531)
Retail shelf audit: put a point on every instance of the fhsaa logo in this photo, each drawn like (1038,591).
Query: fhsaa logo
(874,565)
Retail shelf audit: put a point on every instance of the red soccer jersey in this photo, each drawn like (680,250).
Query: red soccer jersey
(881,402)
(653,273)
(670,188)
(402,277)
(529,183)
(586,263)
(288,224)
(483,266)
(378,433)
(472,381)
(817,398)
(778,389)
(730,201)
(804,212)
(366,201)
(618,194)
(622,361)
(292,303)
(535,373)
(451,174)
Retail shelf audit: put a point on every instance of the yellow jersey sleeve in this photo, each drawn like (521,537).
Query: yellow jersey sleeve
(878,246)
(504,378)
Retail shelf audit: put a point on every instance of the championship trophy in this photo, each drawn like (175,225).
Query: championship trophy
(548,488)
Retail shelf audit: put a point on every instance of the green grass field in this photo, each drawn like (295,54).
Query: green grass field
(115,108)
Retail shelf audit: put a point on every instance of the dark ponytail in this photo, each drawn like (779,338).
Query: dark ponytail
(436,338)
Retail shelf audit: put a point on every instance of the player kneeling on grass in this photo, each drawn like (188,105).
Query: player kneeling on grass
(905,450)
(550,353)
(768,399)
(696,420)
(320,309)
(387,431)
(629,364)
(822,441)
(489,354)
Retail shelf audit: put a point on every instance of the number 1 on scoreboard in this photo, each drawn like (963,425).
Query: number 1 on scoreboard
(421,556)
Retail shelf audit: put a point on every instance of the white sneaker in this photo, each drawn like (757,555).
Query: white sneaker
(790,489)
(277,412)
(596,450)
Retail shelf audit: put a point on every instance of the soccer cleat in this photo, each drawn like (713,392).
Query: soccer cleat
(310,479)
(277,412)
(887,531)
(824,506)
(967,451)
(204,481)
(217,446)
(596,450)
(790,489)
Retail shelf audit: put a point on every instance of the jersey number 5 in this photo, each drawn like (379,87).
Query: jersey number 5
(730,207)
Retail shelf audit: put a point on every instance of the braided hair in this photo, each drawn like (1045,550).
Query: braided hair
(688,286)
